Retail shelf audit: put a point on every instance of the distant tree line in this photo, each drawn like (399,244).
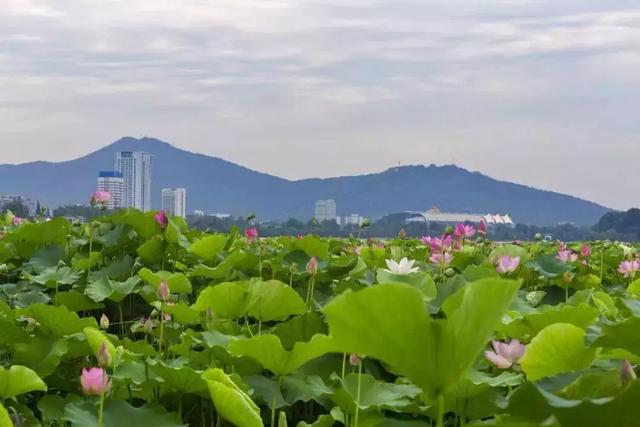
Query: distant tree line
(624,226)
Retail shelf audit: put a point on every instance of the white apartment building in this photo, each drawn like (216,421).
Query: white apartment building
(325,210)
(135,167)
(174,201)
(113,183)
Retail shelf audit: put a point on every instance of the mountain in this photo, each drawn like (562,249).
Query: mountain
(216,185)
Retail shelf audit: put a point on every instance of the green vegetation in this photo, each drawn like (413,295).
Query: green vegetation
(136,319)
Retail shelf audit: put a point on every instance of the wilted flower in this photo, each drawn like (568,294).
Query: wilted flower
(251,234)
(354,359)
(441,259)
(627,374)
(566,255)
(163,291)
(508,264)
(626,250)
(162,219)
(104,322)
(166,317)
(95,381)
(103,356)
(402,234)
(100,197)
(312,266)
(147,324)
(567,277)
(586,251)
(464,231)
(405,266)
(505,355)
(629,268)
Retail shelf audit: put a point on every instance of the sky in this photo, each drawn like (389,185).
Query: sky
(540,92)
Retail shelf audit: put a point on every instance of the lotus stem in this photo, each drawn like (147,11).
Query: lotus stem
(440,420)
(358,392)
(101,410)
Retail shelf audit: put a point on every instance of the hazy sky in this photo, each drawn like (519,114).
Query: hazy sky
(541,92)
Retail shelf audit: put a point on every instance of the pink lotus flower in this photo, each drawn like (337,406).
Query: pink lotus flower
(380,245)
(566,255)
(482,228)
(629,268)
(507,264)
(586,251)
(17,221)
(437,245)
(100,197)
(464,231)
(441,259)
(162,219)
(95,381)
(251,234)
(505,355)
(312,266)
(163,291)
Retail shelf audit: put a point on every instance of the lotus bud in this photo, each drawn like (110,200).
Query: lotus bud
(450,272)
(354,359)
(312,266)
(627,374)
(161,219)
(104,322)
(103,356)
(163,291)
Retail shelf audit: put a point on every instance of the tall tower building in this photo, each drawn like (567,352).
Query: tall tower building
(112,182)
(174,201)
(325,210)
(135,167)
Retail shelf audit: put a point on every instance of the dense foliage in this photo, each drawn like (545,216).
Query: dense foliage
(135,319)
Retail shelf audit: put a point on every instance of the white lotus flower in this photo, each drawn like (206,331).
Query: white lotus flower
(405,266)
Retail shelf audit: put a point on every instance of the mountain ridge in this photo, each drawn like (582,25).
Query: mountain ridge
(217,185)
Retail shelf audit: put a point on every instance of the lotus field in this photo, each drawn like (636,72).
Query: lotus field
(133,319)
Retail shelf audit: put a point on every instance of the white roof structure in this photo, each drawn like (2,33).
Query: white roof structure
(435,215)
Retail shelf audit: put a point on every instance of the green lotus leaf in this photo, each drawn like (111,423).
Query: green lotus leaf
(230,401)
(19,380)
(557,349)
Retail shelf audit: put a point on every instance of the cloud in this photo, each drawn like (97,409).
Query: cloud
(496,85)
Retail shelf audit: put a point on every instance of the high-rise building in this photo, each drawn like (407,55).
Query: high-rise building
(325,210)
(135,167)
(353,219)
(174,201)
(112,182)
